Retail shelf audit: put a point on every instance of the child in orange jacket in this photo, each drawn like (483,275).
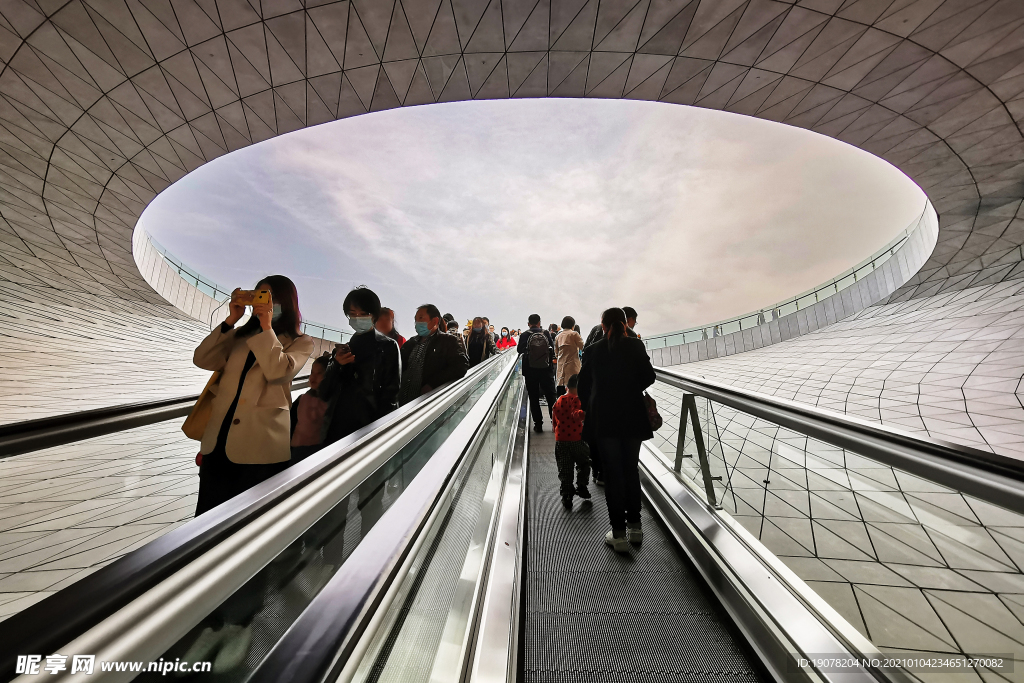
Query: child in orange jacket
(570,449)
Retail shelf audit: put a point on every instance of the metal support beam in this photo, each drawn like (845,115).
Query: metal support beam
(689,413)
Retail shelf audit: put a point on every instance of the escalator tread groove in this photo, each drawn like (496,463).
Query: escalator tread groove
(594,615)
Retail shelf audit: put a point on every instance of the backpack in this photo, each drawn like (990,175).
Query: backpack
(538,351)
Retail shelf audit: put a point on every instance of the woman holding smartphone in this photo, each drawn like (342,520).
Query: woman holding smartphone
(247,438)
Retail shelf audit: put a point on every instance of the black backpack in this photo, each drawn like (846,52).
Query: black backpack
(538,351)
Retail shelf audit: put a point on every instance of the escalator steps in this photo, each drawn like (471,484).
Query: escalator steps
(594,615)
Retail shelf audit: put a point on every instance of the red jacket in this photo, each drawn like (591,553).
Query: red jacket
(567,416)
(505,343)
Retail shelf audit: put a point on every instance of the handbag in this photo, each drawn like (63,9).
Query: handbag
(653,416)
(194,425)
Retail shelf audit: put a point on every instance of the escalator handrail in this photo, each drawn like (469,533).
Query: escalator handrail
(316,646)
(994,478)
(47,432)
(56,620)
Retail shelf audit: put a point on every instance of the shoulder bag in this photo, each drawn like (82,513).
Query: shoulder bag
(653,416)
(194,425)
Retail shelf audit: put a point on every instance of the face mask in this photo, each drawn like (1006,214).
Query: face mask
(504,334)
(361,323)
(422,329)
(477,328)
(276,313)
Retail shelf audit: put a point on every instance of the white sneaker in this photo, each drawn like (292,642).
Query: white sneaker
(237,640)
(618,543)
(635,535)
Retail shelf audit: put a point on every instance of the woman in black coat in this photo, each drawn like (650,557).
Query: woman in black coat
(616,371)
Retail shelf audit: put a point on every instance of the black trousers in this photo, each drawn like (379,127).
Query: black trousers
(220,480)
(621,459)
(537,381)
(569,455)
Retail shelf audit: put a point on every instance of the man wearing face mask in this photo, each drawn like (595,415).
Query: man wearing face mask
(431,358)
(362,382)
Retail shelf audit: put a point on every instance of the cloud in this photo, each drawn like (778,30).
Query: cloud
(549,206)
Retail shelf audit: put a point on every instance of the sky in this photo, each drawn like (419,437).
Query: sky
(549,206)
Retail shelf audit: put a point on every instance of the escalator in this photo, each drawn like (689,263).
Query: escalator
(433,546)
(593,614)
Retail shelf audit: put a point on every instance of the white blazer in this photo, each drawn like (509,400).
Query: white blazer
(260,430)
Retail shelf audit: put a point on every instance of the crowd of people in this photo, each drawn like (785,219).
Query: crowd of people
(593,389)
(250,429)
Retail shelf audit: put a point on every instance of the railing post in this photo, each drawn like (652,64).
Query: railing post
(684,413)
(690,406)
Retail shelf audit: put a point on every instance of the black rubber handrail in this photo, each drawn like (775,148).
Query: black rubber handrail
(993,478)
(56,620)
(47,432)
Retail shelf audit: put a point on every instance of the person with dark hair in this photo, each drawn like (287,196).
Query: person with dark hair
(538,350)
(386,325)
(308,413)
(481,344)
(246,440)
(616,372)
(505,340)
(570,450)
(431,358)
(630,321)
(361,383)
(448,325)
(490,328)
(597,332)
(568,344)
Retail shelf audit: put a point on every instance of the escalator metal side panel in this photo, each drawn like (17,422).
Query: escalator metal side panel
(778,626)
(496,650)
(319,643)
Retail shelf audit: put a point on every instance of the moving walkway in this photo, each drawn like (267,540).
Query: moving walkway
(432,546)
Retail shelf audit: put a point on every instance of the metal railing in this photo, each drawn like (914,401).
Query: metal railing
(893,515)
(200,282)
(47,432)
(211,289)
(793,304)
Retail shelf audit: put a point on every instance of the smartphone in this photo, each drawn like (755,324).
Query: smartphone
(248,297)
(342,348)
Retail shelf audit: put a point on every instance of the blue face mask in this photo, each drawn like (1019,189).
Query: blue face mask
(360,323)
(422,329)
(276,313)
(504,334)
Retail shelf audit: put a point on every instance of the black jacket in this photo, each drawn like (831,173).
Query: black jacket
(611,388)
(445,361)
(523,346)
(363,391)
(486,346)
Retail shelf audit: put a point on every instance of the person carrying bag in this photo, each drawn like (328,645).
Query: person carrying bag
(612,387)
(246,405)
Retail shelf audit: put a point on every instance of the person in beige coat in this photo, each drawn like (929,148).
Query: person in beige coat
(568,344)
(247,438)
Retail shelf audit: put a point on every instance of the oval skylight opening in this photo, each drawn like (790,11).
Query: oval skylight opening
(559,207)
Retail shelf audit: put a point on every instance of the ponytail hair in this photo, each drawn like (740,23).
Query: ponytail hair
(614,320)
